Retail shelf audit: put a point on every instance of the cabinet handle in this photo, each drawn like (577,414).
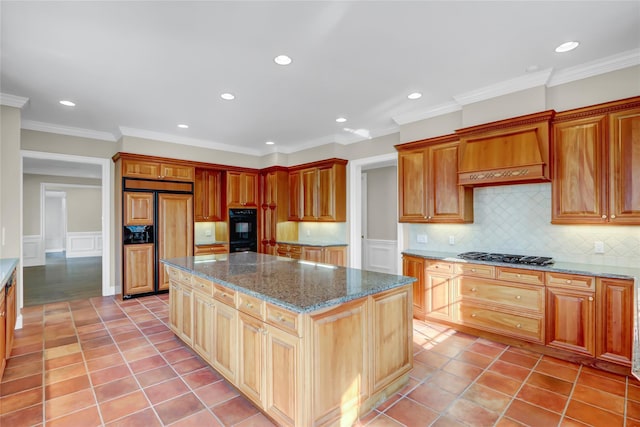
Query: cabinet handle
(604,217)
(568,281)
(473,315)
(517,275)
(518,297)
(249,305)
(518,326)
(590,298)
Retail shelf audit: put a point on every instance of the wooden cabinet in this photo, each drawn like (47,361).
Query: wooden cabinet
(313,253)
(217,248)
(208,196)
(152,169)
(428,189)
(139,268)
(203,324)
(596,168)
(439,295)
(335,255)
(274,193)
(571,312)
(3,332)
(318,192)
(225,340)
(614,316)
(251,347)
(175,230)
(138,208)
(289,251)
(414,267)
(181,303)
(242,189)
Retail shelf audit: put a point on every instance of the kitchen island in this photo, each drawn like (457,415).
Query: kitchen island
(310,344)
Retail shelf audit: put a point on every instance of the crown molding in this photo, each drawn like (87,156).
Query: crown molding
(13,100)
(438,110)
(611,63)
(165,137)
(539,78)
(68,130)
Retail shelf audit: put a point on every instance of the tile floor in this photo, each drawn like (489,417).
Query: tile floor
(104,361)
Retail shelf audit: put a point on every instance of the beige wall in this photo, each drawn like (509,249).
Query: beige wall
(382,213)
(9,177)
(84,205)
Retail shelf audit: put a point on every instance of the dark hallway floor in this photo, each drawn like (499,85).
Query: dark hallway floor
(62,279)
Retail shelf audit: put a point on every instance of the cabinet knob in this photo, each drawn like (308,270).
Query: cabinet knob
(473,270)
(604,217)
(590,298)
(568,281)
(518,275)
(518,326)
(474,289)
(613,217)
(518,297)
(280,317)
(473,315)
(249,305)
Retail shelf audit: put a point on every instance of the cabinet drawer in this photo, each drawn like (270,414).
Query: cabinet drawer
(251,305)
(574,281)
(202,285)
(172,272)
(477,270)
(529,328)
(224,294)
(517,275)
(210,249)
(440,266)
(518,297)
(283,319)
(291,251)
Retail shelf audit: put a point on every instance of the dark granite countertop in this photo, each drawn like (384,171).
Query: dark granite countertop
(300,286)
(6,267)
(312,243)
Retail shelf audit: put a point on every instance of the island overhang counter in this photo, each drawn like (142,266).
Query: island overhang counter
(310,344)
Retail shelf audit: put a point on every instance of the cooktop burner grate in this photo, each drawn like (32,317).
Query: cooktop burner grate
(506,258)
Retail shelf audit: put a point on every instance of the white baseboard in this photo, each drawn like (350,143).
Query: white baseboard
(32,251)
(380,255)
(84,244)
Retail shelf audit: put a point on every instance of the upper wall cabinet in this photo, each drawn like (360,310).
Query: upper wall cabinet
(149,169)
(208,196)
(428,188)
(596,173)
(242,189)
(318,191)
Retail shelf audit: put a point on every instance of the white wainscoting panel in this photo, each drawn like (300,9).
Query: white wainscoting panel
(32,251)
(380,255)
(83,244)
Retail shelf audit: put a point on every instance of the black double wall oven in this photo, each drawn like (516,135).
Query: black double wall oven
(243,228)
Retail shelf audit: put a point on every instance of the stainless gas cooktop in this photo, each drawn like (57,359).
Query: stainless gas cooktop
(506,258)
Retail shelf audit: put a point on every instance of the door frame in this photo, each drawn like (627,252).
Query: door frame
(43,212)
(355,205)
(106,195)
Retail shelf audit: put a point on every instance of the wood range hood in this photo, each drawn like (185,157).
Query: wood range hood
(512,151)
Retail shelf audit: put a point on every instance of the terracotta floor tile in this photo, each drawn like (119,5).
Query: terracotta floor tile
(147,363)
(25,359)
(531,415)
(20,400)
(432,359)
(547,382)
(201,377)
(161,337)
(155,329)
(521,359)
(155,376)
(633,409)
(601,383)
(86,418)
(216,393)
(508,422)
(487,398)
(19,350)
(60,362)
(475,359)
(601,373)
(409,386)
(471,413)
(432,397)
(100,352)
(166,390)
(20,371)
(62,388)
(166,346)
(178,354)
(139,353)
(421,371)
(60,342)
(552,401)
(629,422)
(557,370)
(484,349)
(633,392)
(384,421)
(449,382)
(97,343)
(446,349)
(115,389)
(132,344)
(126,336)
(447,421)
(188,365)
(146,418)
(599,398)
(206,418)
(20,384)
(31,416)
(123,406)
(109,374)
(384,406)
(462,369)
(593,416)
(508,386)
(510,370)
(411,413)
(64,373)
(68,403)
(188,404)
(100,363)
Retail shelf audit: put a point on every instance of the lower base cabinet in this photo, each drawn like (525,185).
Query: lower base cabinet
(323,368)
(614,336)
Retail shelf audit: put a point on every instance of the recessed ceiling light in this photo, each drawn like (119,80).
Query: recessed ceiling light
(269,142)
(67,103)
(414,95)
(566,47)
(182,126)
(282,60)
(227,96)
(341,120)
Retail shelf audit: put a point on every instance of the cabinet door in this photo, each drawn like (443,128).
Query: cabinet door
(446,200)
(284,376)
(439,296)
(138,208)
(571,320)
(139,267)
(203,325)
(242,189)
(225,327)
(624,171)
(208,195)
(175,230)
(335,255)
(3,331)
(176,172)
(412,184)
(295,187)
(174,307)
(579,172)
(251,337)
(140,169)
(186,315)
(11,315)
(615,320)
(313,253)
(331,202)
(414,267)
(309,182)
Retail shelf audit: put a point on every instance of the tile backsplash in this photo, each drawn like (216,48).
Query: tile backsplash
(517,219)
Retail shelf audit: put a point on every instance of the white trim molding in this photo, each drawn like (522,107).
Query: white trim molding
(13,100)
(32,250)
(68,130)
(380,255)
(84,244)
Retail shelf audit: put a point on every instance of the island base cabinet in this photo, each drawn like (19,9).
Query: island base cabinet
(284,377)
(225,340)
(252,336)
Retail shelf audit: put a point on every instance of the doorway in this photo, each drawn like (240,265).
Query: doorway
(55,221)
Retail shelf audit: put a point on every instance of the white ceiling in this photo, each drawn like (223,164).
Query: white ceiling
(140,68)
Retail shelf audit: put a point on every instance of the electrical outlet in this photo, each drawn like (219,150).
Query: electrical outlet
(598,247)
(452,240)
(207,233)
(308,233)
(422,238)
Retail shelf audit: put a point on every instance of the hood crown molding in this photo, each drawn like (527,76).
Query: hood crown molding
(13,100)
